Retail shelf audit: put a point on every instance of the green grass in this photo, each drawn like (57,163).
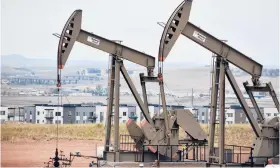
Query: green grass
(237,134)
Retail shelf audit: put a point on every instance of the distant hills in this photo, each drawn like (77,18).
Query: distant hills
(16,60)
(20,61)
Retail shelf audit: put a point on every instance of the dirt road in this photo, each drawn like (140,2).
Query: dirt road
(34,154)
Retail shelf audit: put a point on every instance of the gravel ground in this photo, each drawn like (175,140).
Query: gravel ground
(30,100)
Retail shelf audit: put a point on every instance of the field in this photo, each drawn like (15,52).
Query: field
(34,132)
(32,144)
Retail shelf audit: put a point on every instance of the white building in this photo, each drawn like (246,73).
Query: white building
(201,114)
(124,116)
(229,116)
(101,113)
(44,114)
(140,115)
(97,113)
(49,115)
(269,112)
(4,114)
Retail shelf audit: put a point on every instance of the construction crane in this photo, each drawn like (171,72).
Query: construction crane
(267,135)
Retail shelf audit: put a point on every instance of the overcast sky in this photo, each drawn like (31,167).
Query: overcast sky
(251,26)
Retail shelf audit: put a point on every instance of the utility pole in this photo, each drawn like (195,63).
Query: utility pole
(192,97)
(19,114)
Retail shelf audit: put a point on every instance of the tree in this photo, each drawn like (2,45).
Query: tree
(99,89)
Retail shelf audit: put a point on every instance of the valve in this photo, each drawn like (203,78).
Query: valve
(256,81)
(56,159)
(160,78)
(91,164)
(150,72)
(58,83)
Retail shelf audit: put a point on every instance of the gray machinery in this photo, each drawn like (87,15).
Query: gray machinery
(266,143)
(162,129)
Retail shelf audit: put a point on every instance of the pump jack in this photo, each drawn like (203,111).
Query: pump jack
(267,135)
(160,130)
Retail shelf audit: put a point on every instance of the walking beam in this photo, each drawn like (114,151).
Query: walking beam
(72,32)
(177,25)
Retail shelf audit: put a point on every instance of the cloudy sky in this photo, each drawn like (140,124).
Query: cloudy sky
(251,26)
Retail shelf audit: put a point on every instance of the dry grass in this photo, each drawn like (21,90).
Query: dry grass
(237,134)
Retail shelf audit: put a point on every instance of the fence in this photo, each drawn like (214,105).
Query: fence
(194,152)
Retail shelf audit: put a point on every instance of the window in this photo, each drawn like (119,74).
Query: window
(57,121)
(90,114)
(124,113)
(101,116)
(43,121)
(30,113)
(84,113)
(202,121)
(57,113)
(37,121)
(38,112)
(268,114)
(77,113)
(2,112)
(69,113)
(230,115)
(43,112)
(141,117)
(202,113)
(84,122)
(30,121)
(275,114)
(77,122)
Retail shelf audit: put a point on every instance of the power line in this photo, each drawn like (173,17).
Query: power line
(172,96)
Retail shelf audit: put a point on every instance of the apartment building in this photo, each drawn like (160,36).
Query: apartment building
(234,114)
(79,114)
(29,114)
(101,113)
(132,112)
(4,114)
(86,115)
(126,112)
(154,109)
(15,114)
(96,113)
(202,114)
(43,114)
(11,113)
(269,112)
